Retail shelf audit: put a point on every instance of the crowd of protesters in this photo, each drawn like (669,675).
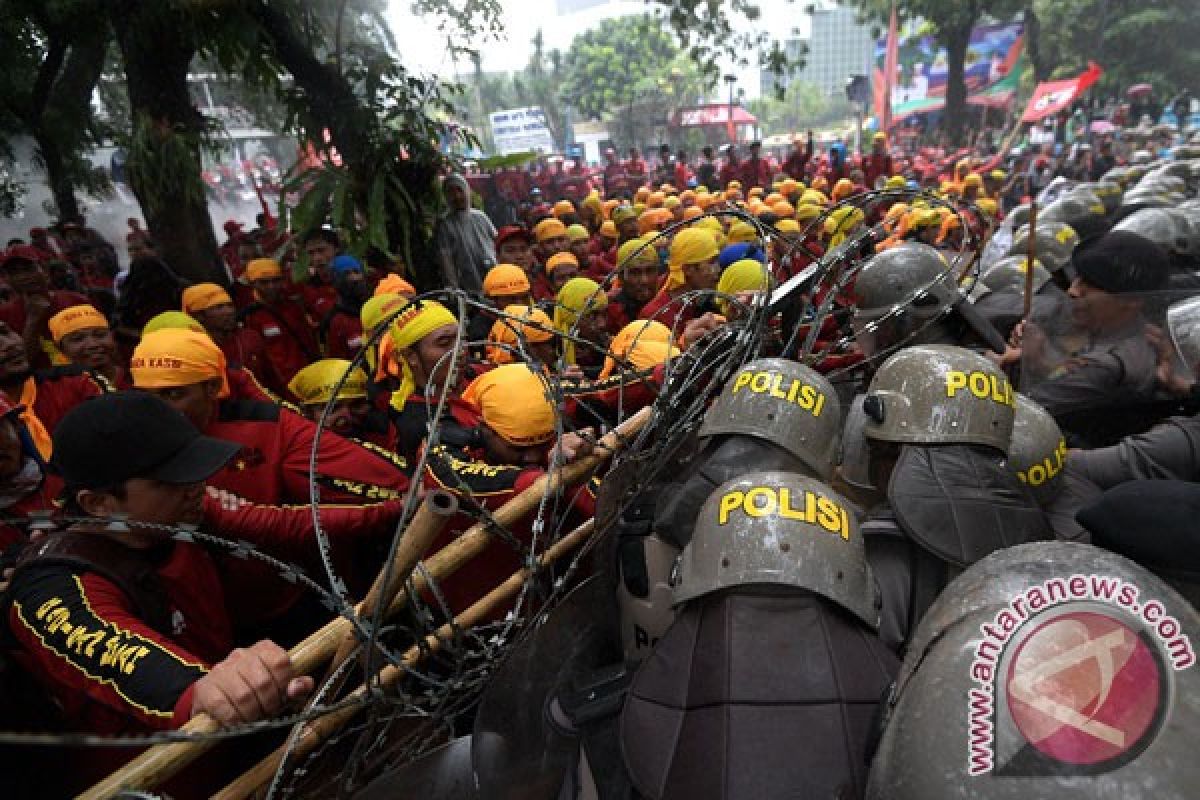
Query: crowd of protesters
(126,389)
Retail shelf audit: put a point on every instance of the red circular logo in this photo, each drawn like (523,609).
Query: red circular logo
(1084,688)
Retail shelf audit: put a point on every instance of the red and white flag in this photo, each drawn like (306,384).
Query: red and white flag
(1052,97)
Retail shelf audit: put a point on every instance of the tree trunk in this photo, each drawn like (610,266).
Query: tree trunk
(157,53)
(1033,45)
(333,106)
(954,119)
(67,114)
(62,188)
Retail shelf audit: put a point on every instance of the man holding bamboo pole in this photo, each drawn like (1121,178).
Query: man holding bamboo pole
(125,628)
(517,430)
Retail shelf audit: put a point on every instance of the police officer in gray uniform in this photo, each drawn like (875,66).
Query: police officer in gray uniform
(771,414)
(1100,387)
(938,423)
(909,294)
(999,295)
(768,680)
(1054,242)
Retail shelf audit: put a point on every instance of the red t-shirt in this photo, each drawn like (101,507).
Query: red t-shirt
(343,336)
(288,334)
(272,469)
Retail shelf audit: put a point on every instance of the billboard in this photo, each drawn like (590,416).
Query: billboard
(922,66)
(521,130)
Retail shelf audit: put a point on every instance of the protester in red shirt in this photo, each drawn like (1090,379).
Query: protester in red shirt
(552,239)
(602,252)
(616,181)
(122,655)
(731,170)
(341,327)
(321,246)
(34,302)
(692,266)
(516,437)
(28,486)
(878,164)
(683,173)
(83,337)
(272,467)
(230,248)
(796,165)
(422,343)
(636,171)
(45,395)
(755,170)
(244,348)
(639,283)
(351,414)
(286,329)
(576,183)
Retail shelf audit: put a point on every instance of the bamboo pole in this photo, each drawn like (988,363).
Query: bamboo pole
(160,762)
(319,730)
(441,506)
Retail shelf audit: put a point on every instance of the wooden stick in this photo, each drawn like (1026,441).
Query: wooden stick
(322,728)
(160,762)
(1030,257)
(431,518)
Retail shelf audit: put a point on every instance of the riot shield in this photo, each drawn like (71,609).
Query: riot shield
(519,751)
(441,774)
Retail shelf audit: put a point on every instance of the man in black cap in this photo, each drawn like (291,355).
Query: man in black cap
(125,627)
(1109,365)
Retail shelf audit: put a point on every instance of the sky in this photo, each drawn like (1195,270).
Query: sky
(422,47)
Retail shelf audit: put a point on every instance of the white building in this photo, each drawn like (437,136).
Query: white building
(839,46)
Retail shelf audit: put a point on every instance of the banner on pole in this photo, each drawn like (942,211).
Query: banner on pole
(1053,97)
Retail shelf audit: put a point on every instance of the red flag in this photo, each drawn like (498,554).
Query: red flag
(1052,97)
(891,59)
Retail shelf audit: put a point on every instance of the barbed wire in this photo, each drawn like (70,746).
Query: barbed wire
(441,688)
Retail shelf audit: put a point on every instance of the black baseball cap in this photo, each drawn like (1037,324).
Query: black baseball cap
(113,438)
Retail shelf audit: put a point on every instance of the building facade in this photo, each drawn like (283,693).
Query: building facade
(839,46)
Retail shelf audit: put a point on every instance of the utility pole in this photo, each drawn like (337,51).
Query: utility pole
(731,79)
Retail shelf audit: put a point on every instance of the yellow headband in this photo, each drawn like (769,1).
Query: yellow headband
(173,357)
(412,325)
(75,318)
(204,296)
(512,401)
(315,383)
